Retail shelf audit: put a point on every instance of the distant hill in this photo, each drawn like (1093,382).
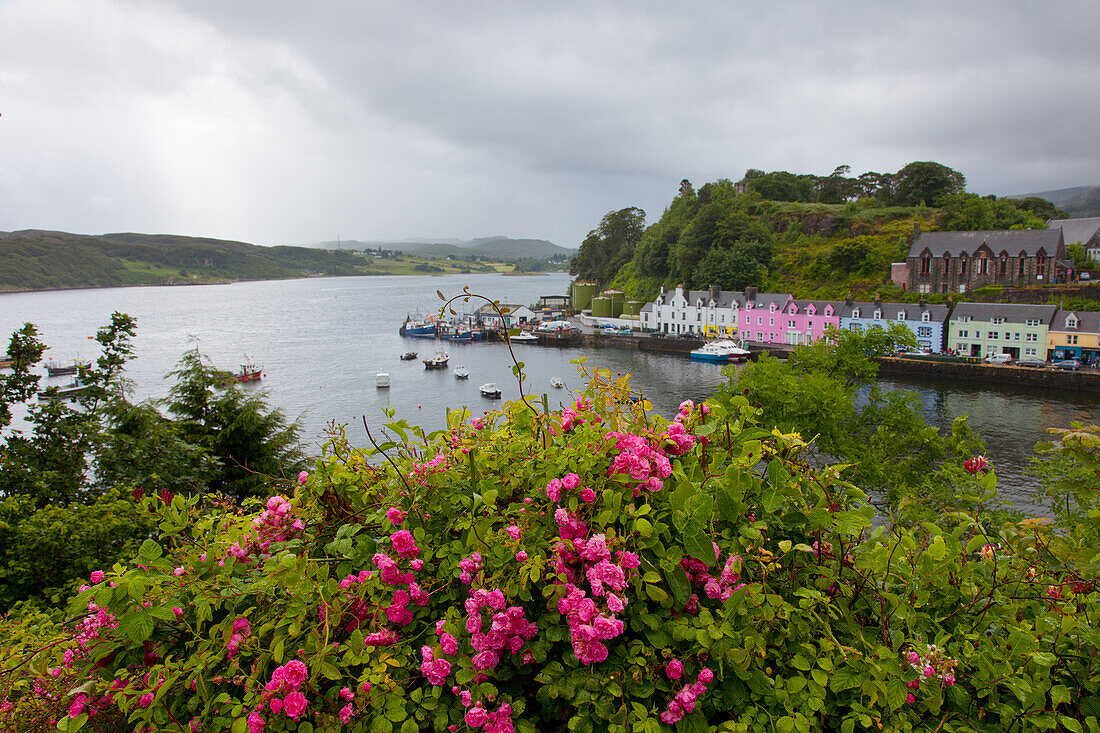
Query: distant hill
(35,259)
(503,248)
(1078,202)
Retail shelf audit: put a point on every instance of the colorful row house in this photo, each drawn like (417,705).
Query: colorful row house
(748,315)
(927,322)
(985,329)
(1074,335)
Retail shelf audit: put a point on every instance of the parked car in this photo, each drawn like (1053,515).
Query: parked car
(1069,364)
(998,358)
(1032,362)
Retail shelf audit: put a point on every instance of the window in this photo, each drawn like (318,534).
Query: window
(1023,260)
(1029,351)
(1031,337)
(962,288)
(925,265)
(1071,321)
(964,334)
(760,320)
(964,319)
(878,314)
(962,266)
(1004,267)
(924,331)
(855,327)
(1071,339)
(997,320)
(1015,336)
(771,321)
(901,315)
(977,334)
(1031,322)
(790,324)
(926,316)
(994,335)
(925,288)
(855,313)
(983,266)
(963,347)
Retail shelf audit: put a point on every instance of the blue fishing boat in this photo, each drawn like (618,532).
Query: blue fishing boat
(417,328)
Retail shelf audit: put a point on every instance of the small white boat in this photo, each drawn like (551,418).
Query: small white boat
(557,382)
(382,380)
(723,352)
(524,338)
(490,390)
(461,373)
(439,361)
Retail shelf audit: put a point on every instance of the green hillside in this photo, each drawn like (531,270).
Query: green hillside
(43,260)
(811,236)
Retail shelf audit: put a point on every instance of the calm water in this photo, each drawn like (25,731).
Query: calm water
(321,342)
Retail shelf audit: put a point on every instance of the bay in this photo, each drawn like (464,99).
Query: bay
(321,341)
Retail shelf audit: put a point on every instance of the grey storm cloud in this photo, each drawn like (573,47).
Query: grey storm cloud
(286,122)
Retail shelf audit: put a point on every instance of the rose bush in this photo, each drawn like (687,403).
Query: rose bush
(595,568)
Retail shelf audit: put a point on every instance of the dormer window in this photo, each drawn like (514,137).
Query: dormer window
(828,310)
(901,315)
(1071,321)
(812,311)
(926,316)
(855,313)
(772,308)
(878,314)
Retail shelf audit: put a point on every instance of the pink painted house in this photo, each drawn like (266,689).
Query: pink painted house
(804,321)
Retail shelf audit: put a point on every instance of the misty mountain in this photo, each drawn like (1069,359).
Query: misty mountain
(503,248)
(1079,201)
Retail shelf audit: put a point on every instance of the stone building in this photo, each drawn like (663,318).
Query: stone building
(958,262)
(1085,232)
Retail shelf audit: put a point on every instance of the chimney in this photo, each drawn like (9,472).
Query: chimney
(715,291)
(848,299)
(750,293)
(922,301)
(878,300)
(916,228)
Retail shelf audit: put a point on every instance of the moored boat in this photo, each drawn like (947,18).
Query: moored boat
(524,338)
(417,328)
(6,361)
(69,391)
(249,373)
(723,352)
(461,372)
(408,356)
(490,390)
(382,380)
(557,382)
(57,369)
(439,361)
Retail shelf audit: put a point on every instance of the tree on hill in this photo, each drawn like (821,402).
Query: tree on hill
(970,212)
(609,246)
(925,182)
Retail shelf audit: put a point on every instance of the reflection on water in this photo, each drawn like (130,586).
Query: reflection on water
(321,342)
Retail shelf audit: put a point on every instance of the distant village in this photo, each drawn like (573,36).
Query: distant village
(937,262)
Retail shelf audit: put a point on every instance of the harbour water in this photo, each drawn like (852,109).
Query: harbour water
(321,341)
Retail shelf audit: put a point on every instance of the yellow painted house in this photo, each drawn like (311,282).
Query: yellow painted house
(1074,335)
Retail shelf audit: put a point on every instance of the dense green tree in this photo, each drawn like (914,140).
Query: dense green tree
(1040,207)
(784,186)
(729,269)
(970,212)
(252,443)
(826,392)
(925,182)
(609,246)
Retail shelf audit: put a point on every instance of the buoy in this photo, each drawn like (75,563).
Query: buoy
(418,407)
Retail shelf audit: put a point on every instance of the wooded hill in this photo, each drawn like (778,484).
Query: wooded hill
(811,236)
(38,260)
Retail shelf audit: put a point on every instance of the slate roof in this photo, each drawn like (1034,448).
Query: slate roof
(1087,322)
(819,306)
(1076,230)
(1011,312)
(647,308)
(1030,241)
(765,300)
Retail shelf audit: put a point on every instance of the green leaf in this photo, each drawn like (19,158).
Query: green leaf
(1059,694)
(843,679)
(150,550)
(137,625)
(655,593)
(678,581)
(643,527)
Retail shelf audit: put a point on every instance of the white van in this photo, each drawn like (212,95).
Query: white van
(998,358)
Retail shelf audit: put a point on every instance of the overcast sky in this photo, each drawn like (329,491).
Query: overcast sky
(289,122)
